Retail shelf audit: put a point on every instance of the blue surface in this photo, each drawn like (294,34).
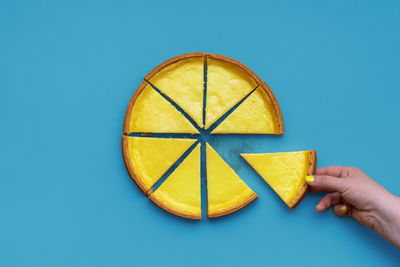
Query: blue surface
(68,70)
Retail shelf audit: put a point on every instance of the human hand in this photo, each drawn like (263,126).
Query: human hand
(355,194)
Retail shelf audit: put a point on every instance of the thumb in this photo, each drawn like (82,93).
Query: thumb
(325,183)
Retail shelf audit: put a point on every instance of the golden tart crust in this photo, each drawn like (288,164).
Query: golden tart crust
(304,189)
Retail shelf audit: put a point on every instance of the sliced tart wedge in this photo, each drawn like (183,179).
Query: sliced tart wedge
(180,192)
(226,192)
(228,82)
(148,158)
(285,172)
(257,114)
(149,112)
(182,79)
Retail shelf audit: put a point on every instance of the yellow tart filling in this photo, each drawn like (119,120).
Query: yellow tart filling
(183,82)
(227,84)
(256,115)
(180,192)
(151,113)
(150,158)
(285,172)
(226,192)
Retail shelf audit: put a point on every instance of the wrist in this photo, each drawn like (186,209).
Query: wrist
(387,219)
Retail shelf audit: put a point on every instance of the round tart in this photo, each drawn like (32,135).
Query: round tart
(197,94)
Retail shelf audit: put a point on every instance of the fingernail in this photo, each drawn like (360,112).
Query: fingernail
(343,208)
(309,179)
(317,208)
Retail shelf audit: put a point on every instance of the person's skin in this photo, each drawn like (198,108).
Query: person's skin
(355,194)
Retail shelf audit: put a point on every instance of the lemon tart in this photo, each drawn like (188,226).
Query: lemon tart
(180,193)
(258,114)
(149,112)
(285,172)
(199,94)
(182,80)
(226,192)
(228,82)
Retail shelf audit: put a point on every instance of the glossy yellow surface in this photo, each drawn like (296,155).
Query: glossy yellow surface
(225,190)
(152,157)
(180,192)
(151,113)
(183,82)
(309,179)
(284,172)
(226,86)
(255,115)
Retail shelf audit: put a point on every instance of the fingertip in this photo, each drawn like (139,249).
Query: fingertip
(341,210)
(310,179)
(320,207)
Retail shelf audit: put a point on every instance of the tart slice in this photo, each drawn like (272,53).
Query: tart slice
(228,82)
(285,172)
(180,193)
(258,114)
(148,158)
(149,112)
(226,192)
(182,79)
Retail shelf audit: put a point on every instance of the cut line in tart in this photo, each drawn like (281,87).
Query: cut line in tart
(226,192)
(199,94)
(285,172)
(182,80)
(148,158)
(258,114)
(149,112)
(180,193)
(228,82)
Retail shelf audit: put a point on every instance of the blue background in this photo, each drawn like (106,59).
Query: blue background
(68,70)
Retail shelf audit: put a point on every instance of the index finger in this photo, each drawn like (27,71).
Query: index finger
(336,171)
(325,183)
